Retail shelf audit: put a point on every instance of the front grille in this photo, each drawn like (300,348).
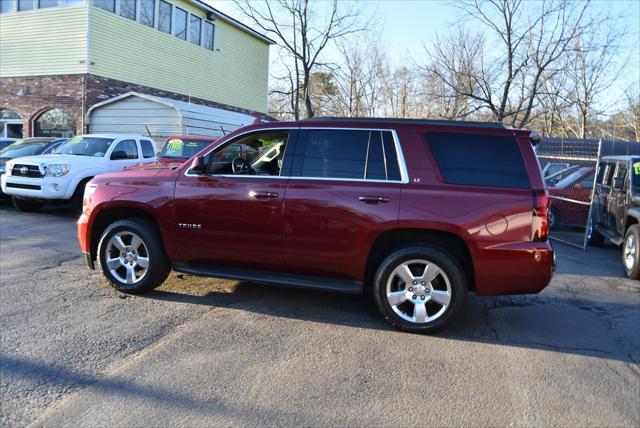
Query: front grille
(23,186)
(20,170)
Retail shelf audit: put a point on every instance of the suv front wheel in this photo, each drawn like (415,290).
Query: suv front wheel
(419,289)
(631,252)
(132,257)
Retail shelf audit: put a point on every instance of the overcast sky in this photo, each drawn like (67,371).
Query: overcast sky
(405,25)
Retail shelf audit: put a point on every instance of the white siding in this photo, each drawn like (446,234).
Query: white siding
(135,115)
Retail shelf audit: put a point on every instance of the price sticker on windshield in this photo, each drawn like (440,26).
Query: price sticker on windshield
(174,145)
(636,168)
(75,140)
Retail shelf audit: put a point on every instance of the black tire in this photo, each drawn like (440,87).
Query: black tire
(594,238)
(554,220)
(26,205)
(75,204)
(452,271)
(631,252)
(158,266)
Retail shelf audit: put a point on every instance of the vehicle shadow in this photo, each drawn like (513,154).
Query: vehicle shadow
(601,261)
(57,210)
(547,321)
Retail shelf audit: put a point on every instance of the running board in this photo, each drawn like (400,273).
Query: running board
(617,240)
(271,278)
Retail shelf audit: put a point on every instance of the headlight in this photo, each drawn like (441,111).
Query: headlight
(56,170)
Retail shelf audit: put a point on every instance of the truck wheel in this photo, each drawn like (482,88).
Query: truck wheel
(554,220)
(419,289)
(132,257)
(26,205)
(594,238)
(631,252)
(78,195)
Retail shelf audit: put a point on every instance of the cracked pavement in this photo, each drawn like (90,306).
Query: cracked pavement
(75,352)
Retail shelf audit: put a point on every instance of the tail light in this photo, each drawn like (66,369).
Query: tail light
(540,223)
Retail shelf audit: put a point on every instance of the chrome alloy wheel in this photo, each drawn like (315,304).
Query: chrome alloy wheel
(127,257)
(418,291)
(630,249)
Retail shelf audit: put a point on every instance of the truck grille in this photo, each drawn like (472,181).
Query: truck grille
(20,170)
(23,186)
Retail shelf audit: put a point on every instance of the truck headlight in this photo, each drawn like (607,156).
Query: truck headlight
(56,170)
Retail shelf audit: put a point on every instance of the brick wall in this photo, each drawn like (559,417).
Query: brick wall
(42,93)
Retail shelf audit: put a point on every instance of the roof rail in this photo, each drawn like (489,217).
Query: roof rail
(437,122)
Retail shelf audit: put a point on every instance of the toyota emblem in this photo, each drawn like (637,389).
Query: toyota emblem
(24,170)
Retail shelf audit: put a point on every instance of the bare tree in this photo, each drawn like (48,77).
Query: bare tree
(631,113)
(506,78)
(303,29)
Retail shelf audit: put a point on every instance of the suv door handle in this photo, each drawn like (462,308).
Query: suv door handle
(263,195)
(374,199)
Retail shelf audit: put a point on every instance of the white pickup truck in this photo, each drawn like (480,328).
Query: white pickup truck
(61,176)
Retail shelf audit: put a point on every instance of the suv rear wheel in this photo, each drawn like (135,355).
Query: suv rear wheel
(132,257)
(419,289)
(631,252)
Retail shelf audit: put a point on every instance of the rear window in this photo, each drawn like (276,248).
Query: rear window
(479,160)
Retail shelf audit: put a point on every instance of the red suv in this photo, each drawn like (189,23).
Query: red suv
(420,211)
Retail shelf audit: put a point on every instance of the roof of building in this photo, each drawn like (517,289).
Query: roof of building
(232,21)
(204,114)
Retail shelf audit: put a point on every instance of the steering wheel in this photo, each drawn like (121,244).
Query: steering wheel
(240,166)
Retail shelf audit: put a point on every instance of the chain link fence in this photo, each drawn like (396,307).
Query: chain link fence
(569,167)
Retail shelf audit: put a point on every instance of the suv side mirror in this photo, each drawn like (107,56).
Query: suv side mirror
(618,183)
(198,166)
(119,154)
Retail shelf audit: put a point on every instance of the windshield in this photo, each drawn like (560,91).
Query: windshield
(635,177)
(180,148)
(22,148)
(85,146)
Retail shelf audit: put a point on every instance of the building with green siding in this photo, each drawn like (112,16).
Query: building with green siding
(58,58)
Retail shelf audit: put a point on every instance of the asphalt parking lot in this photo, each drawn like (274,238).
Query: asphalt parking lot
(75,352)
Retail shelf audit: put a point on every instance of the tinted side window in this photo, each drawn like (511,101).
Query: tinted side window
(382,161)
(608,174)
(147,149)
(129,147)
(602,168)
(335,153)
(479,160)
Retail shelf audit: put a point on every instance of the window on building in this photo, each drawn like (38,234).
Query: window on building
(129,147)
(180,23)
(47,3)
(164,17)
(208,36)
(148,151)
(195,25)
(54,123)
(477,160)
(25,4)
(7,6)
(72,2)
(109,5)
(128,9)
(147,12)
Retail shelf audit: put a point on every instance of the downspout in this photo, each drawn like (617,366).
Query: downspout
(86,67)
